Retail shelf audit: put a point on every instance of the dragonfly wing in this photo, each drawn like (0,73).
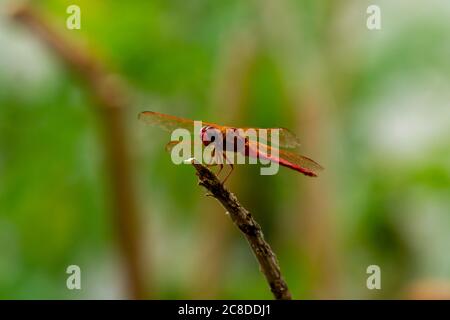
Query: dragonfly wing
(189,145)
(165,121)
(285,158)
(301,161)
(168,122)
(286,138)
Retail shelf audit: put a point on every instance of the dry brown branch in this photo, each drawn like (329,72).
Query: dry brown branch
(110,100)
(242,218)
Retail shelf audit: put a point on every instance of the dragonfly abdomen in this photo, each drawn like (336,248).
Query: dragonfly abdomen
(280,161)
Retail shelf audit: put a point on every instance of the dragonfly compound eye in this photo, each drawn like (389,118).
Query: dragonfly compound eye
(209,134)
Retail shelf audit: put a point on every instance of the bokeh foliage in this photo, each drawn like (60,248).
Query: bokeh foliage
(385,148)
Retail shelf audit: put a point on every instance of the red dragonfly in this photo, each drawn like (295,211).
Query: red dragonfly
(252,147)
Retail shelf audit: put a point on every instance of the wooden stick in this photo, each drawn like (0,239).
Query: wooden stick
(245,222)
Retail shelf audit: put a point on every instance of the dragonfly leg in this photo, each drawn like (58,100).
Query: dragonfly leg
(218,160)
(220,169)
(231,168)
(211,160)
(229,173)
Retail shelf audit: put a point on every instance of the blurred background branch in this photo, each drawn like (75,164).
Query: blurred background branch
(111,100)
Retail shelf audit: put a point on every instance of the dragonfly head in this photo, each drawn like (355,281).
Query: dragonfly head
(209,134)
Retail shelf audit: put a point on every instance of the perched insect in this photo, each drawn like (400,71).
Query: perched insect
(251,147)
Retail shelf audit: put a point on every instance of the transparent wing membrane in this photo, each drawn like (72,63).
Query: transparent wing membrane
(291,157)
(165,121)
(286,138)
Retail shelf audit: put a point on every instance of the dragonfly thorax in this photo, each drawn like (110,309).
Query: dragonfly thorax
(229,139)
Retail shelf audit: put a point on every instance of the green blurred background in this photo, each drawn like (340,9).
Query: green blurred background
(371,106)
